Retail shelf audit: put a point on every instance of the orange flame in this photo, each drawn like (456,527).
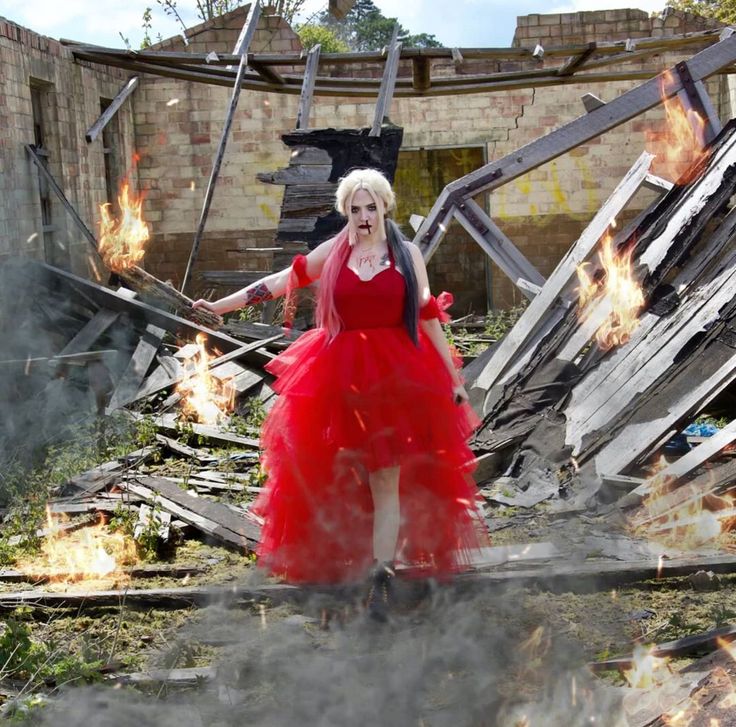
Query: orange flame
(647,670)
(205,398)
(122,243)
(88,553)
(618,289)
(679,148)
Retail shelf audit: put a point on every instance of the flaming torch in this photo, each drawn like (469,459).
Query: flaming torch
(122,246)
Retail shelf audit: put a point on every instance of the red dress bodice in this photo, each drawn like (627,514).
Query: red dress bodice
(374,303)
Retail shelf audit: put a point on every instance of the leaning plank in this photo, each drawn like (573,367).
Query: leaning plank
(113,300)
(184,450)
(388,83)
(101,321)
(696,643)
(95,479)
(112,109)
(59,192)
(305,98)
(135,371)
(213,518)
(565,271)
(704,451)
(155,597)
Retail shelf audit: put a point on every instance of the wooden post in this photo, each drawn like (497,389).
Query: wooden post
(111,110)
(305,99)
(247,34)
(694,97)
(388,83)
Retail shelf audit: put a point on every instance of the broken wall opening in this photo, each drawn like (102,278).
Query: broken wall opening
(459,264)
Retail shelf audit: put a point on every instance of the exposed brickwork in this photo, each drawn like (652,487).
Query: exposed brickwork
(70,94)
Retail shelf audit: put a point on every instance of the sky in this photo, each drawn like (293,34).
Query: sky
(471,23)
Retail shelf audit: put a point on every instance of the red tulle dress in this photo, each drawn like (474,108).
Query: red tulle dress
(369,398)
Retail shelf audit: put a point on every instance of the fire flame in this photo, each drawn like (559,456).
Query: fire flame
(679,148)
(88,553)
(618,289)
(122,243)
(205,398)
(647,670)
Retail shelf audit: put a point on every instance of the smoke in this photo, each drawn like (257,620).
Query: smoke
(448,661)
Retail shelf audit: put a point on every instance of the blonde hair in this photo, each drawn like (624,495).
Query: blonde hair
(370,180)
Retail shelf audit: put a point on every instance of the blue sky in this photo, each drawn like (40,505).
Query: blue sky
(468,23)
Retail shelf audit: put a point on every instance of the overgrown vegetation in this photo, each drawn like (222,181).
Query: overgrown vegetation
(722,10)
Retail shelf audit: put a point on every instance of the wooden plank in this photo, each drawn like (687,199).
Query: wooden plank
(575,62)
(686,646)
(298,174)
(499,248)
(214,518)
(583,129)
(388,83)
(564,273)
(185,597)
(94,130)
(161,383)
(254,13)
(596,575)
(132,378)
(233,278)
(170,422)
(305,98)
(309,155)
(698,455)
(113,300)
(81,343)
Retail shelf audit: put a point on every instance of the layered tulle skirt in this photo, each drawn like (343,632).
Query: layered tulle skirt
(366,400)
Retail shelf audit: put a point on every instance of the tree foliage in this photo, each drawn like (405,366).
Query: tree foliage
(310,35)
(365,28)
(721,10)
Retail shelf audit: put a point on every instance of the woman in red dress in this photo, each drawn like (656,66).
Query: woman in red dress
(365,449)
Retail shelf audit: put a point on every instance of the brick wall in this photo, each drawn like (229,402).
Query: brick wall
(70,96)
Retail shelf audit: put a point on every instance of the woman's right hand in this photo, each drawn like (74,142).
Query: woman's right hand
(202,303)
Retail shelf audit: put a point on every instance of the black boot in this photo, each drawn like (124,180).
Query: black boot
(379,595)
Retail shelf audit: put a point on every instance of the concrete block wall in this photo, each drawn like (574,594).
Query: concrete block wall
(71,94)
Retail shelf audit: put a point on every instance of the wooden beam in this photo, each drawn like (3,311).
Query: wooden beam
(112,109)
(704,121)
(56,189)
(532,318)
(574,63)
(305,98)
(497,246)
(246,35)
(542,150)
(81,343)
(388,83)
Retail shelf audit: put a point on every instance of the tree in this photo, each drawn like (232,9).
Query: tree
(365,27)
(311,34)
(721,10)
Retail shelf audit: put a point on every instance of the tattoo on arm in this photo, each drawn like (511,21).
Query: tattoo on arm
(259,293)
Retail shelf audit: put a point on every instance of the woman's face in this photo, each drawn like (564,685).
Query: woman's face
(364,213)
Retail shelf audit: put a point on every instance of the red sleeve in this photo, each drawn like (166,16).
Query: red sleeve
(298,278)
(436,307)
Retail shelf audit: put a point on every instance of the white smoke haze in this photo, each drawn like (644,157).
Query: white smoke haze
(448,661)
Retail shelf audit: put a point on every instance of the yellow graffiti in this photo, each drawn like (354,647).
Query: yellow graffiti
(268,213)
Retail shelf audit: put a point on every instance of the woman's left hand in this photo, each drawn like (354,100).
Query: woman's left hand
(459,395)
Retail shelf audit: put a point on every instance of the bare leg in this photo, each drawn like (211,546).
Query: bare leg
(384,484)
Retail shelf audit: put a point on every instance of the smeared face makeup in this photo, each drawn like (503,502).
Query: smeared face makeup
(364,213)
